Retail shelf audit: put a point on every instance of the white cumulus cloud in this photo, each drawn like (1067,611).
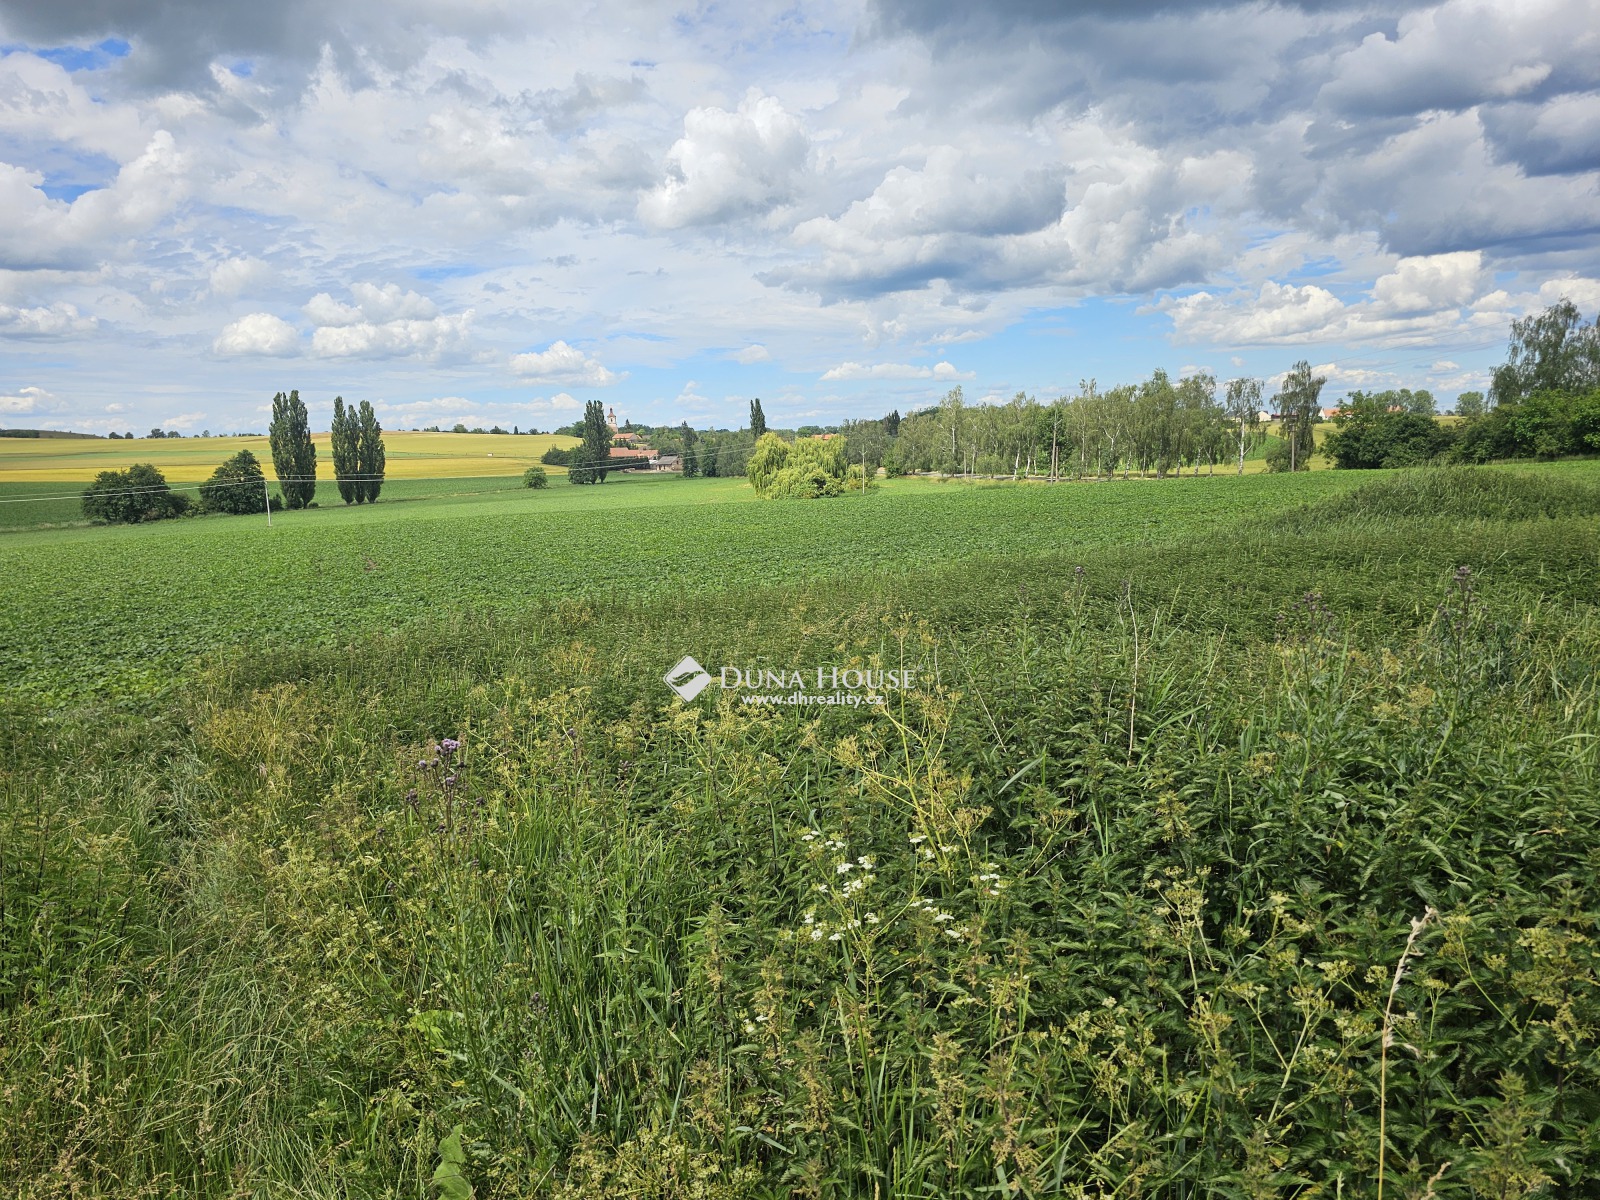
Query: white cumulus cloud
(46,321)
(563,364)
(258,334)
(385,322)
(729,164)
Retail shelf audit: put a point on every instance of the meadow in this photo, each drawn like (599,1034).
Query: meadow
(1239,839)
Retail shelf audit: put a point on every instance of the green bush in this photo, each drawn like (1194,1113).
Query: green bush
(238,487)
(1387,439)
(140,493)
(535,477)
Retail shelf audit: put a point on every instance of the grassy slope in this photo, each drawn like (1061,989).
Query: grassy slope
(248,946)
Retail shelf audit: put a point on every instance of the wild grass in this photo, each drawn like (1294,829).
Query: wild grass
(1131,899)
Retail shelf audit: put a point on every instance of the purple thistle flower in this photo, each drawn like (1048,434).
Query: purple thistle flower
(449,781)
(449,745)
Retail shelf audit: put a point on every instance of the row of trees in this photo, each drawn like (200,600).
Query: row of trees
(1544,402)
(358,455)
(359,459)
(1156,427)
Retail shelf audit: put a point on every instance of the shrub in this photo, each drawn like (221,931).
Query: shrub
(128,497)
(1277,457)
(237,487)
(535,477)
(1387,439)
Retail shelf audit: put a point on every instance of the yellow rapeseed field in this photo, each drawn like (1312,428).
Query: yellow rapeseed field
(191,460)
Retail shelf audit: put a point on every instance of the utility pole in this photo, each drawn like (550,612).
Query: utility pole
(268,497)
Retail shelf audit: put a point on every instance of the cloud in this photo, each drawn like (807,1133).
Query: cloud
(1277,314)
(729,165)
(184,419)
(385,322)
(1121,219)
(258,334)
(43,232)
(753,353)
(29,401)
(561,402)
(175,43)
(1559,137)
(563,364)
(1584,292)
(233,276)
(374,305)
(1466,52)
(1423,299)
(48,321)
(1429,284)
(854,371)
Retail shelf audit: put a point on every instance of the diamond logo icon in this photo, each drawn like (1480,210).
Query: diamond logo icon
(688,678)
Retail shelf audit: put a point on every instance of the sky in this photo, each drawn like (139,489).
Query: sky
(492,211)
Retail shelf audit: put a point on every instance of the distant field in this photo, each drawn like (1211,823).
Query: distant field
(191,460)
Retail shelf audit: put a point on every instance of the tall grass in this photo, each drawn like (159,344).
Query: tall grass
(1112,906)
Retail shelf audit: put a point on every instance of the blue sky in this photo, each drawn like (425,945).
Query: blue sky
(492,212)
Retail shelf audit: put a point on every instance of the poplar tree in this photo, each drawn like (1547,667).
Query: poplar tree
(691,455)
(758,419)
(596,448)
(370,457)
(344,452)
(294,457)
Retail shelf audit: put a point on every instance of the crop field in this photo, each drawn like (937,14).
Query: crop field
(139,600)
(191,460)
(1237,837)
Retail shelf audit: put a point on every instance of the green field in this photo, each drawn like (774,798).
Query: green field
(141,601)
(1114,902)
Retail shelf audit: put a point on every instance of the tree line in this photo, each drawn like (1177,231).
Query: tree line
(1544,402)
